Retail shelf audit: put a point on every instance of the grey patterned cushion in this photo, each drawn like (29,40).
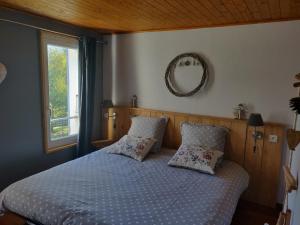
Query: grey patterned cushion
(149,127)
(134,147)
(197,158)
(208,136)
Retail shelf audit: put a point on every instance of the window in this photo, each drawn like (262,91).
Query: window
(60,90)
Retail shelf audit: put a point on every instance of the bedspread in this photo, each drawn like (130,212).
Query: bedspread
(109,189)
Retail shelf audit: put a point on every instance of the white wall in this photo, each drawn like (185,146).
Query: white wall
(253,64)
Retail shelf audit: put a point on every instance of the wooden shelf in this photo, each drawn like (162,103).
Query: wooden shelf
(293,138)
(284,218)
(102,143)
(290,181)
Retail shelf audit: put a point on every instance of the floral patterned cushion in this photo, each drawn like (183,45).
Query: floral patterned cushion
(196,157)
(134,147)
(149,127)
(208,136)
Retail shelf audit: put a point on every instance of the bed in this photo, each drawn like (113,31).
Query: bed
(109,189)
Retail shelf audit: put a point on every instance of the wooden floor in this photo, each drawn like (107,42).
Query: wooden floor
(252,214)
(246,214)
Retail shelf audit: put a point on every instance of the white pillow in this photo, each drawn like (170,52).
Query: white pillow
(134,147)
(149,127)
(207,136)
(197,158)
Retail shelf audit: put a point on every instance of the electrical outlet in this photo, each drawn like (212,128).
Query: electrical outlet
(273,138)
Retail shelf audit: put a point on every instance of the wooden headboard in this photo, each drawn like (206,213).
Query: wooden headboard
(263,165)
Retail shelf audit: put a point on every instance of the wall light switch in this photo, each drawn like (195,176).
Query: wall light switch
(273,138)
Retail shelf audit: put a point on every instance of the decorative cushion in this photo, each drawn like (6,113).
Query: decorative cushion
(207,136)
(149,127)
(134,147)
(196,158)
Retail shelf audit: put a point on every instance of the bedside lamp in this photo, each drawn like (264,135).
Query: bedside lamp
(255,120)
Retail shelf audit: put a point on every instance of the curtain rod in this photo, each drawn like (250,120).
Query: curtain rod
(48,30)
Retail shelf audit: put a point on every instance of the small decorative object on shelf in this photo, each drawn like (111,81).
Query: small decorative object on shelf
(240,111)
(134,101)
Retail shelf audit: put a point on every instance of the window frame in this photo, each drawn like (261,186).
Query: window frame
(49,38)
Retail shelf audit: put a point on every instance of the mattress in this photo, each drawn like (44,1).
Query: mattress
(108,189)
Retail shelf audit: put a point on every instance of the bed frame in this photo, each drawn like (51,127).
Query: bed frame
(263,165)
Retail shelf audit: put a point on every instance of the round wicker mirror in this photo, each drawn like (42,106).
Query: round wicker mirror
(185,60)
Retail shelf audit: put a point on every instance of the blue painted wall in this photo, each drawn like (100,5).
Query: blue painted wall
(21,134)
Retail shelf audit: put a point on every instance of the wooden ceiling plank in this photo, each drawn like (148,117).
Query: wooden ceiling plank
(242,7)
(264,9)
(215,12)
(198,11)
(57,13)
(201,13)
(155,16)
(182,12)
(201,8)
(285,8)
(131,13)
(254,9)
(97,14)
(295,8)
(168,12)
(223,9)
(148,15)
(274,6)
(233,10)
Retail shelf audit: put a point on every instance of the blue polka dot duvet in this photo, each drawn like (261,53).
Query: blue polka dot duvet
(110,189)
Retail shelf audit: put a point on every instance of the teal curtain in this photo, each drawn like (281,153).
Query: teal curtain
(87,62)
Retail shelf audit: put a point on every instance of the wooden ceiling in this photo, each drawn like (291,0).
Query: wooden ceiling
(148,15)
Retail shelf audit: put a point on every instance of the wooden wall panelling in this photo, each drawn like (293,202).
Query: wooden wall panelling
(236,141)
(119,126)
(263,165)
(178,120)
(139,112)
(105,126)
(169,133)
(270,165)
(253,164)
(195,119)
